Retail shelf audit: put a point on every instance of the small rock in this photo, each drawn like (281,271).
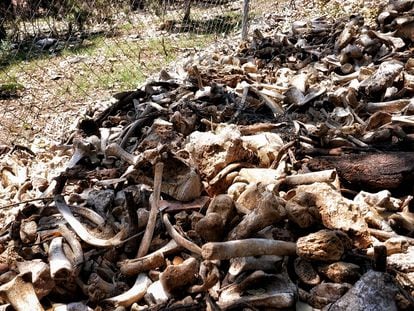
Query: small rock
(374,291)
(101,200)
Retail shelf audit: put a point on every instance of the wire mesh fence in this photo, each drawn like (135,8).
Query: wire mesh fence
(67,52)
(59,56)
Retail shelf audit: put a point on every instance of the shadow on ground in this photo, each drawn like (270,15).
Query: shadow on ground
(43,46)
(217,25)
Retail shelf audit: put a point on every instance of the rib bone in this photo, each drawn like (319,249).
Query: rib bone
(81,230)
(134,294)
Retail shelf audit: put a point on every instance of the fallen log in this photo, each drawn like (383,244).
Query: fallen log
(371,171)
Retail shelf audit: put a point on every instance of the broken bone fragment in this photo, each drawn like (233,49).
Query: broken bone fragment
(99,289)
(219,212)
(337,212)
(274,292)
(42,281)
(306,272)
(211,227)
(82,149)
(181,180)
(19,292)
(270,263)
(115,150)
(325,293)
(270,210)
(341,272)
(175,278)
(323,245)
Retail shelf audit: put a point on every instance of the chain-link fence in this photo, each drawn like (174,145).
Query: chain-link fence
(57,56)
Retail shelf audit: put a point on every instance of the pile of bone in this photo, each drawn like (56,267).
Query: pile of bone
(274,177)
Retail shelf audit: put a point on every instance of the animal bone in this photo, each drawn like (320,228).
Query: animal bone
(115,150)
(134,294)
(81,230)
(181,180)
(338,212)
(323,245)
(176,277)
(219,212)
(265,262)
(390,106)
(341,272)
(156,293)
(148,262)
(247,247)
(211,227)
(99,289)
(20,294)
(301,209)
(90,215)
(178,238)
(210,276)
(75,246)
(310,178)
(306,272)
(155,202)
(60,266)
(41,279)
(278,292)
(73,306)
(270,210)
(83,148)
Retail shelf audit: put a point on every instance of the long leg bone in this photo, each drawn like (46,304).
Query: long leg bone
(309,178)
(74,244)
(115,150)
(60,265)
(247,247)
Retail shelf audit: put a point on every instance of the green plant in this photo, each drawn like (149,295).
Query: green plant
(5,48)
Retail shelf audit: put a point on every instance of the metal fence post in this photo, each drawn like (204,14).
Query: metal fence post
(245,24)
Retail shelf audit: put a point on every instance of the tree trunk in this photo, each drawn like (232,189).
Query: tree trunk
(371,171)
(3,34)
(187,8)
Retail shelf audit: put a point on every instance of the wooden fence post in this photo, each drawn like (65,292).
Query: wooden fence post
(245,23)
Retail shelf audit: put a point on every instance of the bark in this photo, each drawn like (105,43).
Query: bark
(370,171)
